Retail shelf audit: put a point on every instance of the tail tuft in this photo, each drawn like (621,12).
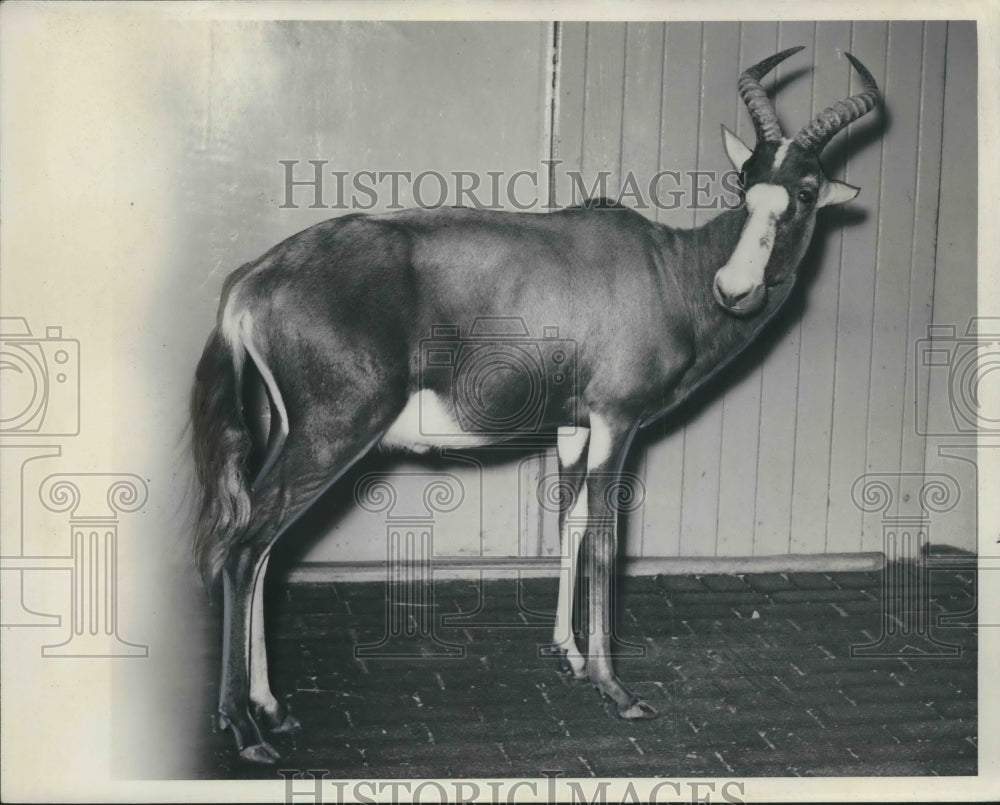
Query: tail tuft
(221,444)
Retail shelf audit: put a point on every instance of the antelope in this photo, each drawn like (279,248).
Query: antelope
(329,325)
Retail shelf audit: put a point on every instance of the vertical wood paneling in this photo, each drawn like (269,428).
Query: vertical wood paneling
(678,150)
(568,140)
(702,438)
(680,118)
(603,102)
(924,228)
(364,96)
(955,290)
(767,466)
(641,121)
(852,369)
(893,261)
(818,328)
(741,403)
(640,149)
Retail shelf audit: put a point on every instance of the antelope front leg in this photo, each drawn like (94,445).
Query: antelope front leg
(604,462)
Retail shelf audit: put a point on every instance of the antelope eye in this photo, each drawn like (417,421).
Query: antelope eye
(806,196)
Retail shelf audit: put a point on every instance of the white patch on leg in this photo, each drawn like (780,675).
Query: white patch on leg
(260,685)
(426,422)
(745,268)
(572,534)
(600,442)
(570,444)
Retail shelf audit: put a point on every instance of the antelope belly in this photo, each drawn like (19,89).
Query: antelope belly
(426,422)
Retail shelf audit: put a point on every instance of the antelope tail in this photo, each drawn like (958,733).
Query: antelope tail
(221,445)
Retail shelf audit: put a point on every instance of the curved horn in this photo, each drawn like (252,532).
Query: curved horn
(765,121)
(827,123)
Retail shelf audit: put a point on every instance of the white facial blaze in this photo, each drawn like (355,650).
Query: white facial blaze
(745,269)
(781,153)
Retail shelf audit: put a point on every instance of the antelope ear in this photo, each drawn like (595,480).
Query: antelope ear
(835,192)
(736,149)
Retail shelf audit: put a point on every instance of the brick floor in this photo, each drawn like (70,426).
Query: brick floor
(753,675)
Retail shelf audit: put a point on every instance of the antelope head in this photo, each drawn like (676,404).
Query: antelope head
(784,186)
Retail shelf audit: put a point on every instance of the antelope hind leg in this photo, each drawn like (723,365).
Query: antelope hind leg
(239,577)
(274,715)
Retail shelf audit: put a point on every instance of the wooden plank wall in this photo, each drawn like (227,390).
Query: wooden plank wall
(364,96)
(767,466)
(954,285)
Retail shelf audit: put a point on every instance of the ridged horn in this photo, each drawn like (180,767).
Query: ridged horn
(827,123)
(765,121)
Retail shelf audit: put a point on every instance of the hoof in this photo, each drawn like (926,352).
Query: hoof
(289,724)
(260,753)
(638,710)
(277,718)
(563,665)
